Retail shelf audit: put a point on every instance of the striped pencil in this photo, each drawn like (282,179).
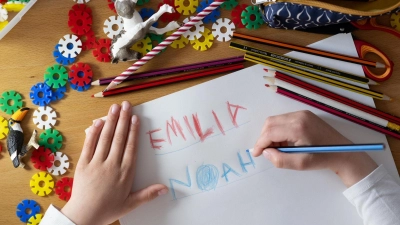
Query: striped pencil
(156,50)
(333,96)
(176,69)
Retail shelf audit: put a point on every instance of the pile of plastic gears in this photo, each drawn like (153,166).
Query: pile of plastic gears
(10,6)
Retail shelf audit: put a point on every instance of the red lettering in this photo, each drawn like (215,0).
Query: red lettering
(218,123)
(174,125)
(185,118)
(234,114)
(197,126)
(154,141)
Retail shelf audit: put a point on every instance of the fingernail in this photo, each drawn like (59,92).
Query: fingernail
(267,155)
(98,123)
(162,191)
(125,106)
(134,119)
(114,109)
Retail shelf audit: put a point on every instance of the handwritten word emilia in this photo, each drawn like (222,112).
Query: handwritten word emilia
(194,129)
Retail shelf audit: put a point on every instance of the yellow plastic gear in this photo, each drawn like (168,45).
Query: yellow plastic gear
(395,21)
(206,44)
(143,46)
(178,43)
(35,220)
(14,7)
(186,10)
(3,128)
(42,184)
(3,24)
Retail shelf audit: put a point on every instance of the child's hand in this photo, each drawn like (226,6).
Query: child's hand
(305,128)
(104,175)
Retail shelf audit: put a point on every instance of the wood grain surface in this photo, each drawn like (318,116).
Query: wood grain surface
(27,50)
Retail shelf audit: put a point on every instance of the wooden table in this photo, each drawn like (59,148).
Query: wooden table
(26,52)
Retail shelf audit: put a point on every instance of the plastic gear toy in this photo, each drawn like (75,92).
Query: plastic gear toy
(3,128)
(102,44)
(146,13)
(111,5)
(42,158)
(80,76)
(80,22)
(191,35)
(141,2)
(60,58)
(27,205)
(58,93)
(41,94)
(35,220)
(80,7)
(143,46)
(229,4)
(81,1)
(169,17)
(213,16)
(56,76)
(51,139)
(217,29)
(10,102)
(394,21)
(186,10)
(41,112)
(206,44)
(42,184)
(88,40)
(251,17)
(12,6)
(63,161)
(61,185)
(156,39)
(181,42)
(109,24)
(3,14)
(70,46)
(236,15)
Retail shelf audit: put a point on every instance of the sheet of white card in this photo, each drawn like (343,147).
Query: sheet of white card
(263,194)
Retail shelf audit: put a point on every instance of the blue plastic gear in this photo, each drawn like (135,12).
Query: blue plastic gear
(23,206)
(41,94)
(60,59)
(58,93)
(213,16)
(80,88)
(146,13)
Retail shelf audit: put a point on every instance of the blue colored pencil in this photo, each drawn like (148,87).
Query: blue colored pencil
(332,148)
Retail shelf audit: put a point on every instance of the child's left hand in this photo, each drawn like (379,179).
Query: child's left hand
(104,175)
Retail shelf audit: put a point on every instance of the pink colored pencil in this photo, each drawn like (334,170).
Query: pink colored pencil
(155,51)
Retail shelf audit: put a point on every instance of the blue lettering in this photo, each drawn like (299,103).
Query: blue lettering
(189,183)
(207,177)
(243,164)
(227,169)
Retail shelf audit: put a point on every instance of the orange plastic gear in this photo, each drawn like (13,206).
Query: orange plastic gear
(42,184)
(186,10)
(395,21)
(203,45)
(178,43)
(143,46)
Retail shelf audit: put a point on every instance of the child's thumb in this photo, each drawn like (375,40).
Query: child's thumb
(146,195)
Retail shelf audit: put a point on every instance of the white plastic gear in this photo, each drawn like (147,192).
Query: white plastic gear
(40,113)
(191,35)
(108,26)
(3,14)
(218,25)
(81,1)
(70,46)
(62,168)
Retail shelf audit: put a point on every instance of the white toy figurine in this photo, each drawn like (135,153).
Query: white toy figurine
(135,29)
(3,14)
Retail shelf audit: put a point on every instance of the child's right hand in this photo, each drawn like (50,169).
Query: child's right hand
(305,128)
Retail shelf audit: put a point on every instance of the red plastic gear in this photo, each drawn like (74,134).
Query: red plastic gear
(80,74)
(80,7)
(65,182)
(111,5)
(42,158)
(80,22)
(236,15)
(168,17)
(88,40)
(97,52)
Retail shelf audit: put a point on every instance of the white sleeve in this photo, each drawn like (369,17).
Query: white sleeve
(376,198)
(54,216)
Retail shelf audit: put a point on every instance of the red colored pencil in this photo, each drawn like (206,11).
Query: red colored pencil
(333,96)
(170,80)
(334,111)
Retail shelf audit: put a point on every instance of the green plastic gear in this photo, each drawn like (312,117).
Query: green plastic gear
(141,2)
(251,17)
(10,102)
(56,76)
(52,139)
(3,128)
(395,21)
(229,4)
(156,39)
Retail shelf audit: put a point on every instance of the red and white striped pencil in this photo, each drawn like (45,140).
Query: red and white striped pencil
(156,50)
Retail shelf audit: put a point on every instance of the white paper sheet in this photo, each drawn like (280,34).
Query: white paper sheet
(252,191)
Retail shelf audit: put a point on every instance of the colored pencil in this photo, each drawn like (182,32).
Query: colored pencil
(309,50)
(333,96)
(170,80)
(317,77)
(156,50)
(331,148)
(176,69)
(334,111)
(302,64)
